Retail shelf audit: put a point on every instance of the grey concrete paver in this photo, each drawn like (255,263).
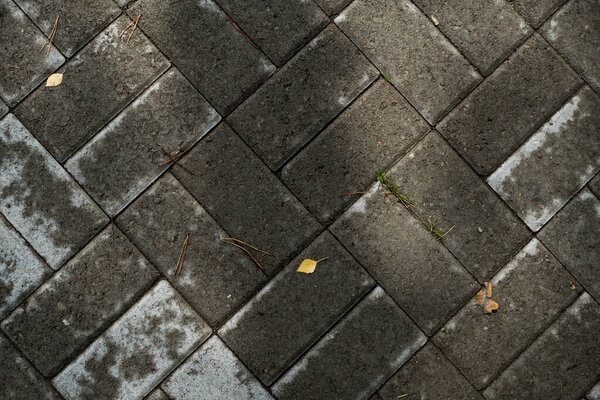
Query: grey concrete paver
(536,11)
(3,109)
(594,393)
(332,6)
(157,394)
(594,185)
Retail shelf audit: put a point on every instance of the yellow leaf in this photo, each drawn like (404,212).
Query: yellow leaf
(308,266)
(54,80)
(490,306)
(480,296)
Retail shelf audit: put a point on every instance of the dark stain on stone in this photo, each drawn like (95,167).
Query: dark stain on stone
(100,384)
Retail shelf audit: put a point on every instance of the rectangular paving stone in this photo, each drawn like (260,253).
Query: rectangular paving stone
(562,363)
(40,199)
(157,394)
(503,111)
(373,228)
(137,351)
(98,82)
(409,50)
(245,198)
(124,158)
(530,291)
(79,301)
(554,163)
(356,356)
(23,67)
(368,136)
(294,309)
(594,185)
(3,109)
(213,372)
(536,11)
(214,278)
(193,34)
(332,6)
(302,97)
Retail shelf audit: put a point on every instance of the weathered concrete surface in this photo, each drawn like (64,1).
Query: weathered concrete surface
(332,6)
(594,185)
(3,109)
(536,11)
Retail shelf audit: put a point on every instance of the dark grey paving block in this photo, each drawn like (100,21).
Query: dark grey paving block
(485,32)
(444,188)
(375,397)
(332,6)
(40,199)
(299,100)
(294,309)
(245,198)
(530,291)
(356,356)
(136,352)
(278,27)
(3,109)
(98,82)
(536,11)
(411,52)
(368,136)
(594,185)
(505,109)
(411,272)
(214,278)
(206,47)
(429,375)
(562,363)
(23,67)
(78,22)
(79,301)
(124,158)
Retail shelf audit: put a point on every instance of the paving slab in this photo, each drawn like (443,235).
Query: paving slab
(117,164)
(79,301)
(594,393)
(214,278)
(356,356)
(213,372)
(372,229)
(501,113)
(554,163)
(157,394)
(23,67)
(375,397)
(251,204)
(78,22)
(531,290)
(408,49)
(594,185)
(40,199)
(294,309)
(192,33)
(137,351)
(3,109)
(302,97)
(536,11)
(562,363)
(429,375)
(332,6)
(368,136)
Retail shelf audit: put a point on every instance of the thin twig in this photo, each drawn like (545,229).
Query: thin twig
(322,259)
(247,244)
(175,161)
(181,256)
(134,23)
(50,37)
(174,1)
(352,193)
(246,251)
(242,32)
(176,156)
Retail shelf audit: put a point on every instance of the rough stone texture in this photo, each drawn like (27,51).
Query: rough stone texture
(429,375)
(536,11)
(294,309)
(287,111)
(408,49)
(3,109)
(250,203)
(356,356)
(554,163)
(125,157)
(40,199)
(366,137)
(23,67)
(136,352)
(192,33)
(505,109)
(594,185)
(562,363)
(332,6)
(530,291)
(213,372)
(79,301)
(214,279)
(372,230)
(594,393)
(375,397)
(157,394)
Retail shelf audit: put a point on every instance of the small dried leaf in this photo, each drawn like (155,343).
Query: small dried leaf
(435,20)
(480,296)
(480,229)
(490,306)
(307,266)
(488,286)
(54,80)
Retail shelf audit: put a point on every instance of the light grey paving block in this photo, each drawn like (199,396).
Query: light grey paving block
(536,11)
(562,363)
(332,6)
(373,228)
(213,372)
(409,50)
(554,163)
(594,393)
(40,199)
(124,158)
(157,394)
(23,67)
(368,136)
(594,185)
(206,47)
(97,83)
(214,278)
(294,309)
(137,351)
(356,356)
(530,291)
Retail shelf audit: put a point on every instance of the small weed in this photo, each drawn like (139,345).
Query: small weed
(387,79)
(389,184)
(431,226)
